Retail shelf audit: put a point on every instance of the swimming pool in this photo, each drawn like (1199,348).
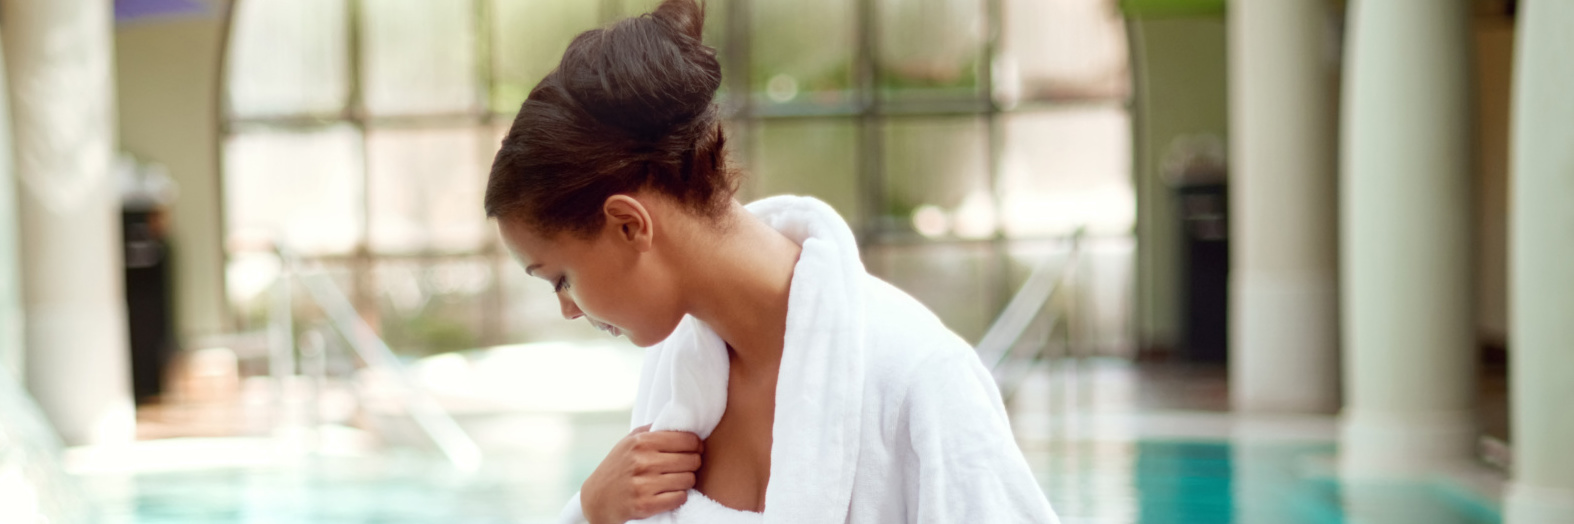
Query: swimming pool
(1100,457)
(1187,481)
(1142,481)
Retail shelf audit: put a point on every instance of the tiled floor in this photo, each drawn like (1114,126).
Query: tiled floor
(1110,442)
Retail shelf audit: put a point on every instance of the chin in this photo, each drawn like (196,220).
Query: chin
(644,340)
(640,341)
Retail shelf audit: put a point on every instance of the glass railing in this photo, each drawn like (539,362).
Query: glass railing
(34,487)
(1045,306)
(320,289)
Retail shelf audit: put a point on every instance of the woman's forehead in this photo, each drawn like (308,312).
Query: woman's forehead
(522,242)
(530,247)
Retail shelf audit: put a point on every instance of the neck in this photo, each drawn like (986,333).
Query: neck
(739,284)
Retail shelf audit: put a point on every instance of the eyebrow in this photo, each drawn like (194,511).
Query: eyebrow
(532,269)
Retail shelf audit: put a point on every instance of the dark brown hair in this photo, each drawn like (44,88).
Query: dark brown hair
(628,108)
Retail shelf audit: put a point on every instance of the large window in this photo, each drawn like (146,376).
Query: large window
(956,136)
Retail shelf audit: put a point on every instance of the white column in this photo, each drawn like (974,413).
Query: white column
(1409,331)
(1284,301)
(1541,251)
(11,327)
(58,56)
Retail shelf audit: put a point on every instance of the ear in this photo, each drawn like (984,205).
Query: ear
(630,221)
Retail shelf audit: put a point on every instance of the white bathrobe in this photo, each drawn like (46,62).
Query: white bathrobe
(882,414)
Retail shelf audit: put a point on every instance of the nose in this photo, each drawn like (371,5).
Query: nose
(570,309)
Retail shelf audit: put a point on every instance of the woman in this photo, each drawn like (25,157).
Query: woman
(782,382)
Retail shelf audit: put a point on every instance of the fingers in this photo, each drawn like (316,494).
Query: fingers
(670,482)
(640,429)
(659,463)
(661,493)
(668,442)
(681,462)
(659,503)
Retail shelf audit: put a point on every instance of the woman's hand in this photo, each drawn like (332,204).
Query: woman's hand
(645,473)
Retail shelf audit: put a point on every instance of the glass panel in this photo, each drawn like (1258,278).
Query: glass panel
(937,177)
(930,48)
(1061,49)
(249,277)
(288,57)
(809,157)
(1098,292)
(428,308)
(528,39)
(305,186)
(1107,276)
(1024,256)
(1068,168)
(628,8)
(715,18)
(960,282)
(425,188)
(419,56)
(495,141)
(531,312)
(802,51)
(739,135)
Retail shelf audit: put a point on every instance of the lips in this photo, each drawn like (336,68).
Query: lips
(607,328)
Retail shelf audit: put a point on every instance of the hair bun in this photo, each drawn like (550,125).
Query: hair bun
(647,75)
(628,109)
(684,16)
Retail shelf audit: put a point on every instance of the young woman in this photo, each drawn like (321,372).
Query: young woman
(782,382)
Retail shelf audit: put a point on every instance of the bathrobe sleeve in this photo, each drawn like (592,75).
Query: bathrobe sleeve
(964,464)
(572,513)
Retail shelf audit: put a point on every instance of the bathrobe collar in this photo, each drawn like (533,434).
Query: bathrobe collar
(820,385)
(819,391)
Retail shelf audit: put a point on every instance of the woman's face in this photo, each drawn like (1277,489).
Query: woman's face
(614,279)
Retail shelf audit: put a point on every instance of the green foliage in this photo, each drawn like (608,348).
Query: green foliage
(1166,8)
(436,328)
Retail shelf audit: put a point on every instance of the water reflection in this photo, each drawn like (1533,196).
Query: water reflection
(1162,482)
(1088,431)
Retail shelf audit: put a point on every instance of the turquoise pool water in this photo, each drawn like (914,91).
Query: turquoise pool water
(1142,481)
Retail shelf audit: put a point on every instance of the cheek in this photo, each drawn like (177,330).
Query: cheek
(609,294)
(595,299)
(650,306)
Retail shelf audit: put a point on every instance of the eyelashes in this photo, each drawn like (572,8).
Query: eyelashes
(560,285)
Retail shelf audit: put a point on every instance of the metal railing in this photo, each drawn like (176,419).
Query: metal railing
(422,407)
(1002,348)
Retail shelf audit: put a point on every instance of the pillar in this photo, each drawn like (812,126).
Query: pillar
(1541,248)
(58,56)
(1284,325)
(1409,329)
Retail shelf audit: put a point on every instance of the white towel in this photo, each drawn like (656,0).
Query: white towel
(882,415)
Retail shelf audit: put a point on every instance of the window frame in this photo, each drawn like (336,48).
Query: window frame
(744,111)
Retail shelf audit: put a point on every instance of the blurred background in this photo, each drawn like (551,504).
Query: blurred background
(1229,261)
